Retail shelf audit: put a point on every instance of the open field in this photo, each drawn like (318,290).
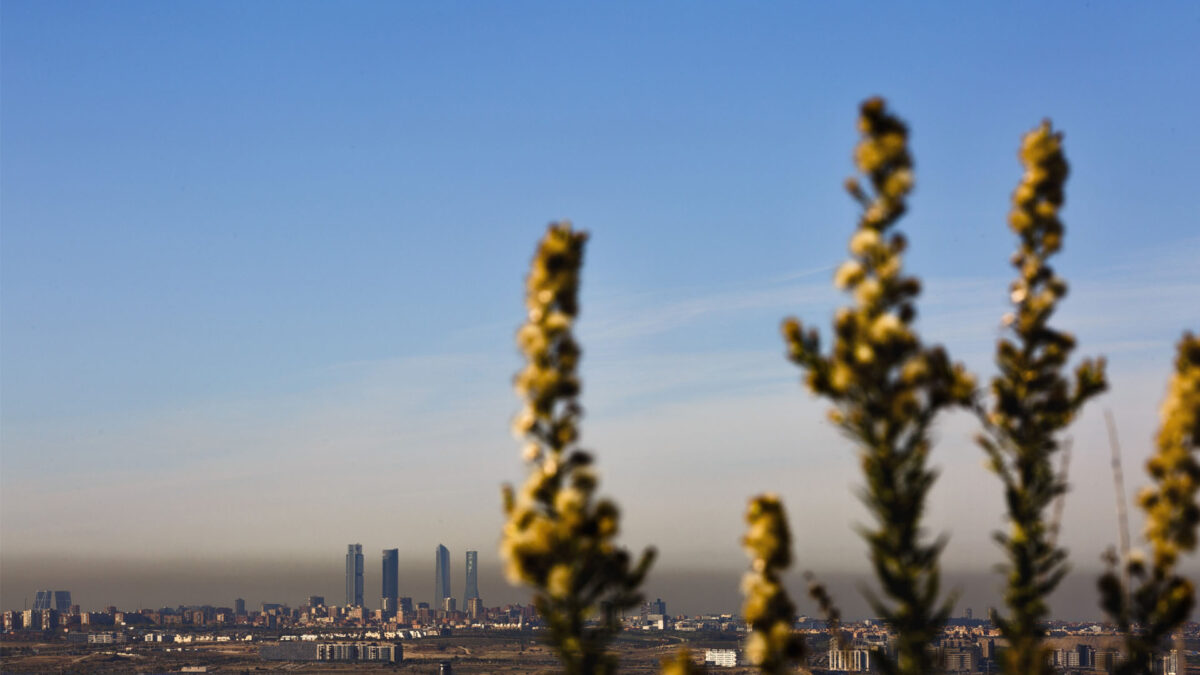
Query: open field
(515,654)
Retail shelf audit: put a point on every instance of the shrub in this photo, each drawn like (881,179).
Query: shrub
(887,388)
(1158,599)
(559,537)
(1031,403)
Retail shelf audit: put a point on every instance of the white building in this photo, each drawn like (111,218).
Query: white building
(850,660)
(1165,664)
(722,658)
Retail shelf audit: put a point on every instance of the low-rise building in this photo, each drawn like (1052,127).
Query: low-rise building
(105,638)
(850,660)
(304,650)
(721,658)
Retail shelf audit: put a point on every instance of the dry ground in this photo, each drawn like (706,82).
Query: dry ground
(469,654)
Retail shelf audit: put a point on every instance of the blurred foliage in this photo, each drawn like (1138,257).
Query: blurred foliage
(887,388)
(559,537)
(1158,599)
(833,616)
(768,611)
(681,663)
(1031,403)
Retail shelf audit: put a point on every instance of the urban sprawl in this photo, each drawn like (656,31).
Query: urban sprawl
(350,633)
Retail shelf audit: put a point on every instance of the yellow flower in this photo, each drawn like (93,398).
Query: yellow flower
(899,182)
(886,386)
(848,274)
(557,321)
(914,370)
(524,422)
(756,648)
(569,501)
(886,326)
(868,292)
(889,269)
(864,241)
(554,527)
(840,377)
(864,353)
(559,581)
(767,609)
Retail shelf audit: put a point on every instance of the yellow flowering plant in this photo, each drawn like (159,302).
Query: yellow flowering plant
(559,537)
(771,645)
(887,388)
(1160,600)
(1031,403)
(681,663)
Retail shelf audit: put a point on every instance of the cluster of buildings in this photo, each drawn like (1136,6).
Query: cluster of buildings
(48,606)
(967,646)
(958,656)
(314,613)
(393,606)
(53,610)
(976,647)
(351,632)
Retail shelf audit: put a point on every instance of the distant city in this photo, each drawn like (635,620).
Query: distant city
(392,605)
(53,609)
(55,631)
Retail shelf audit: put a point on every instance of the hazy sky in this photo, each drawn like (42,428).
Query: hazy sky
(261,264)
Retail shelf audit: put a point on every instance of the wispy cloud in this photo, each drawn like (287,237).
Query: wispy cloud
(652,314)
(686,429)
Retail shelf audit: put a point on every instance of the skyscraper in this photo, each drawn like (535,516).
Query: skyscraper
(59,601)
(391,580)
(42,601)
(472,578)
(62,601)
(354,575)
(441,575)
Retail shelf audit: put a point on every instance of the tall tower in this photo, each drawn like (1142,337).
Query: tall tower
(391,580)
(472,578)
(43,600)
(441,575)
(354,575)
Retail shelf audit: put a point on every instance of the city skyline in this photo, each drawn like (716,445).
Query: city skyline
(686,591)
(315,632)
(244,256)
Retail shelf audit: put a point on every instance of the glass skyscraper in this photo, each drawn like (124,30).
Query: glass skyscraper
(472,578)
(354,575)
(42,601)
(441,576)
(59,601)
(391,580)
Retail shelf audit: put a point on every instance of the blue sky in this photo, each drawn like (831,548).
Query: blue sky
(257,252)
